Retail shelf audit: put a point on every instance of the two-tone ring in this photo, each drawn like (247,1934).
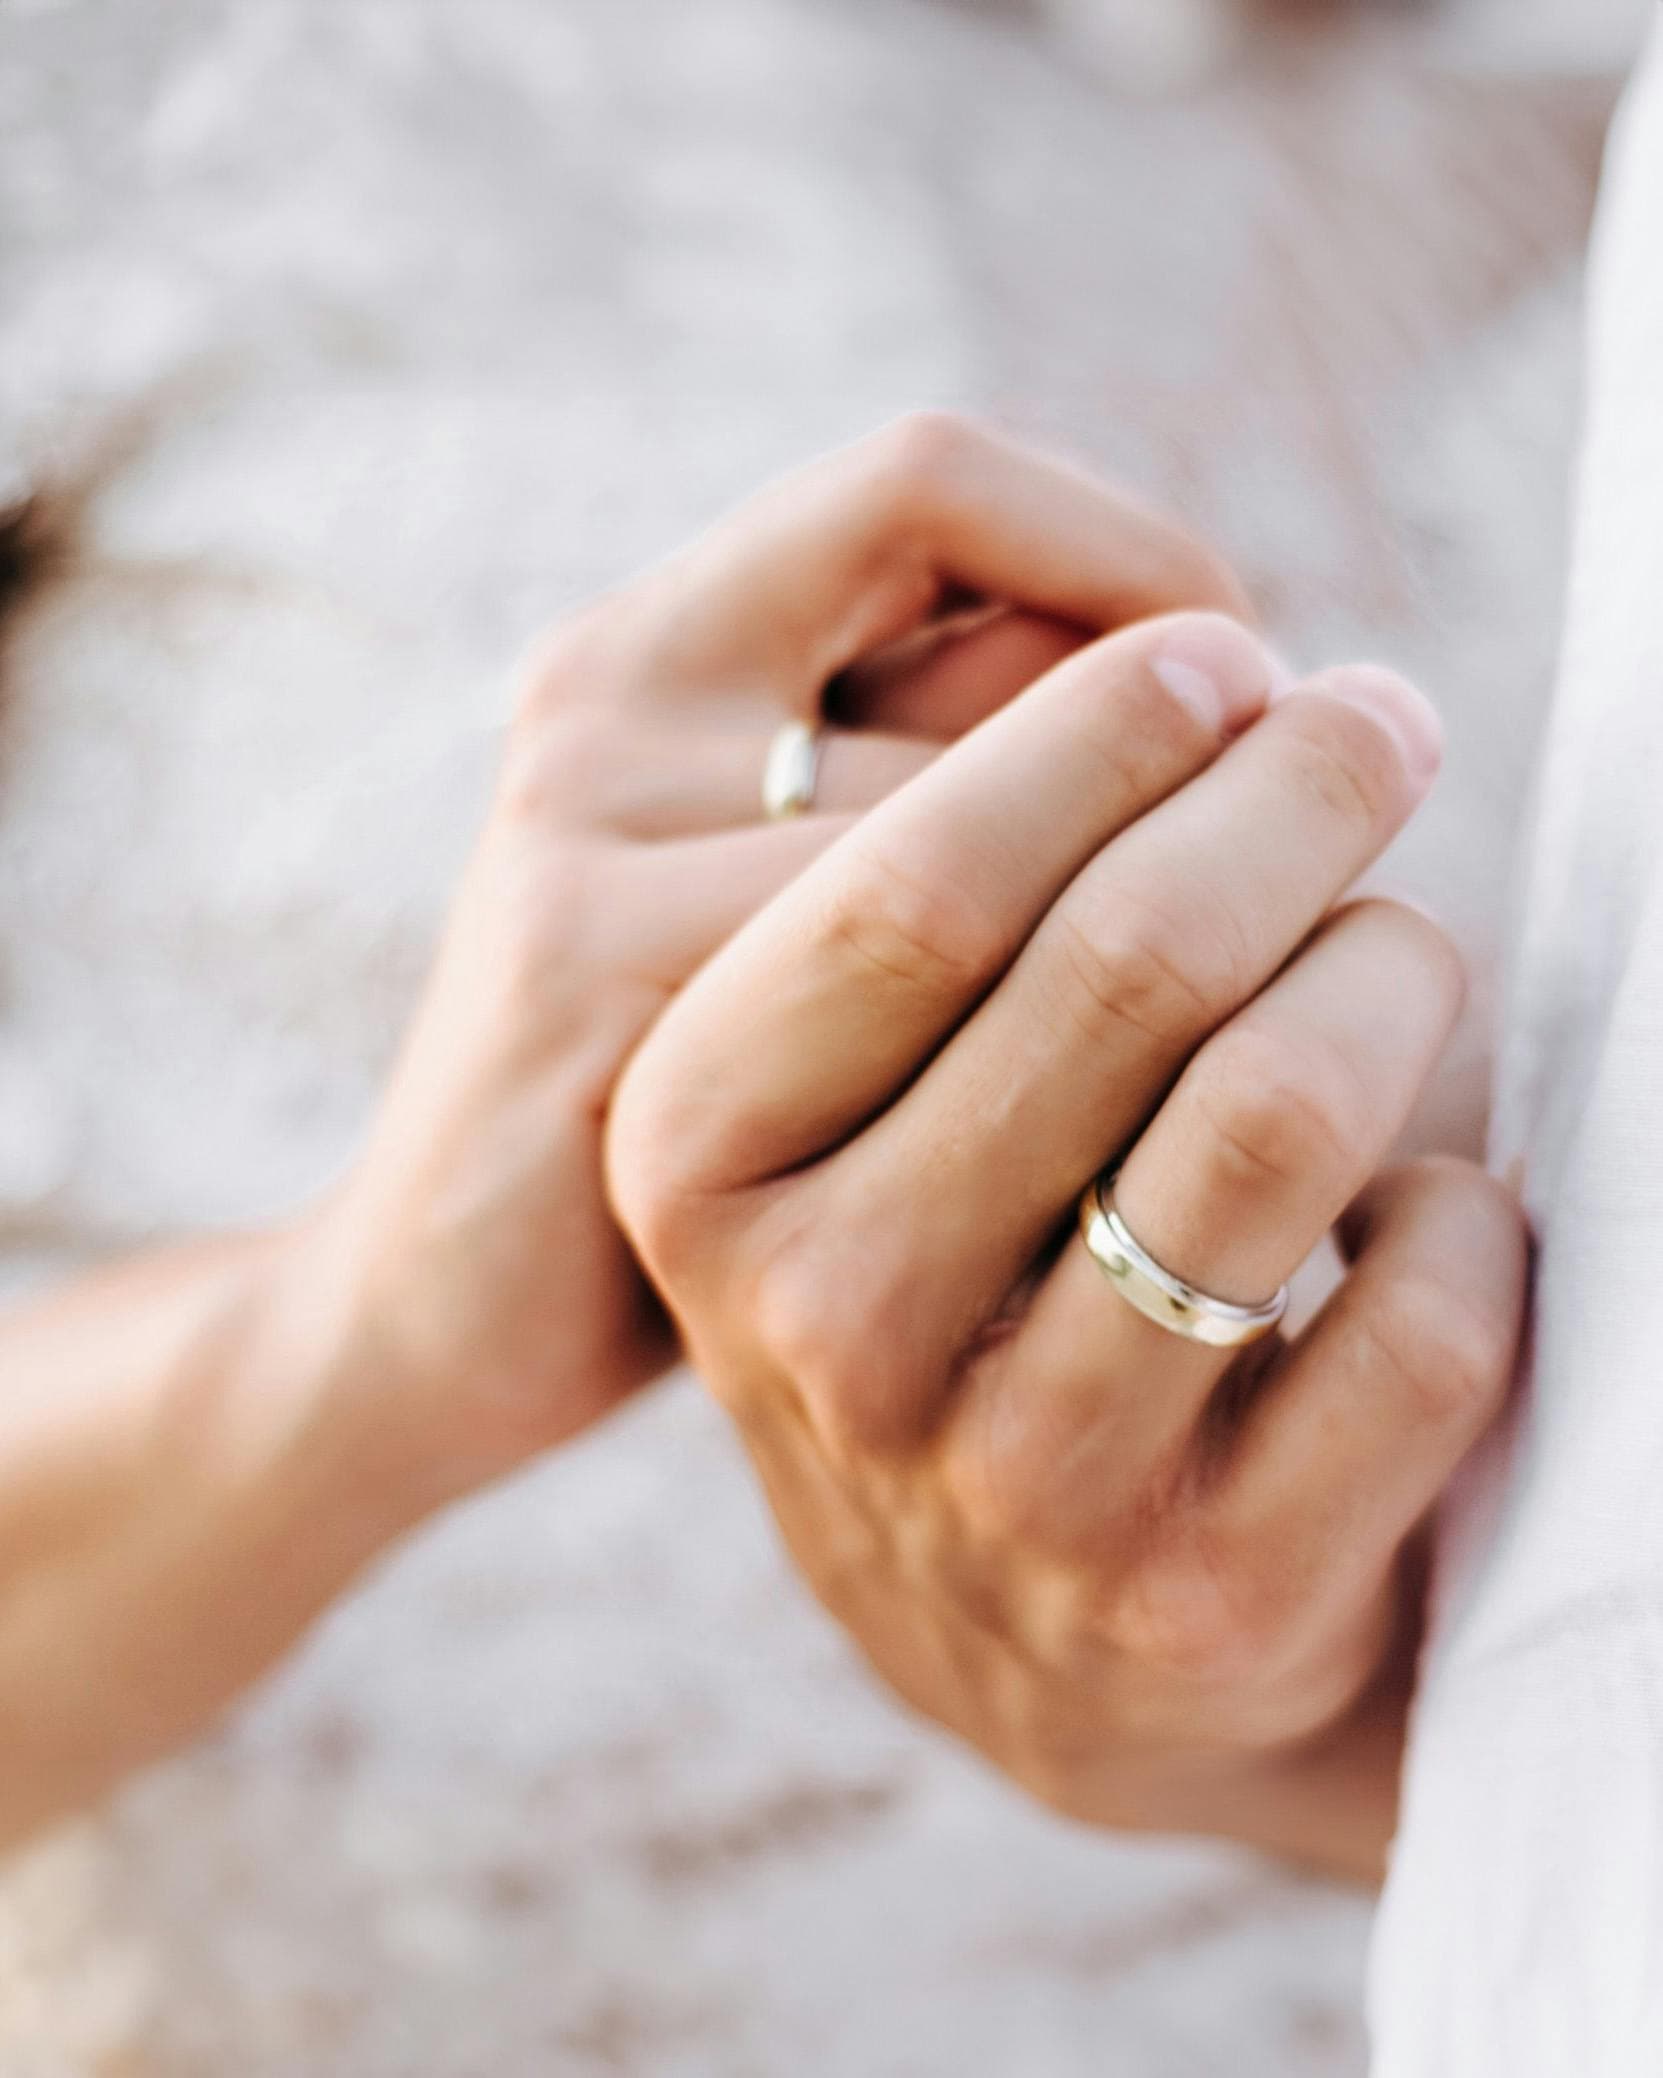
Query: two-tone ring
(1156,1293)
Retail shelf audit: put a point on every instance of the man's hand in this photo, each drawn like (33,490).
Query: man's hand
(1161,1586)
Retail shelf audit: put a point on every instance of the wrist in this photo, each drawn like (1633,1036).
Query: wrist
(297,1424)
(344,1397)
(440,1340)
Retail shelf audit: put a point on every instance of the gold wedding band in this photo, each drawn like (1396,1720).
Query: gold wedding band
(1159,1296)
(792,772)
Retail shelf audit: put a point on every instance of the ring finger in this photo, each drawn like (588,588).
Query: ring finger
(684,781)
(681,779)
(1164,935)
(1274,1127)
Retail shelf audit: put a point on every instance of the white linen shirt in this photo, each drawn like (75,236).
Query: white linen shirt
(1522,1930)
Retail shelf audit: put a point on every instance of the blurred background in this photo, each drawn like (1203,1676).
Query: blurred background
(342,344)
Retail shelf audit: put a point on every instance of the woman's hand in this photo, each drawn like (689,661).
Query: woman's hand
(1162,1586)
(913,584)
(199,1448)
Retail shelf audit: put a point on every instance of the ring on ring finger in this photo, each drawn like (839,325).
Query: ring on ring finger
(791,771)
(1160,1296)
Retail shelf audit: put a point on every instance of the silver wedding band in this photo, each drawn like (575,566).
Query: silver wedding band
(791,773)
(1159,1296)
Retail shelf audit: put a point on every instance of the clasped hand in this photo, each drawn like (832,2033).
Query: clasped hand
(1091,919)
(1162,1585)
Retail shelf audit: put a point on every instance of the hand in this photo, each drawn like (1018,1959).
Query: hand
(923,578)
(201,1447)
(1161,1587)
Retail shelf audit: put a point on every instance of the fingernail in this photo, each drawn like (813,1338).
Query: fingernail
(1220,671)
(1395,704)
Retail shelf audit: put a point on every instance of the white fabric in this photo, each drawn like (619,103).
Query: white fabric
(1522,1933)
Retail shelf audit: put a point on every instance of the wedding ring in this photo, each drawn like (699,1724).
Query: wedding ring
(1159,1296)
(792,772)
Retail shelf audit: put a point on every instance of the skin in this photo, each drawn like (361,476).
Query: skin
(1162,1587)
(201,1448)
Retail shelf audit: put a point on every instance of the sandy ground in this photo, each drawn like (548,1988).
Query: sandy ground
(347,343)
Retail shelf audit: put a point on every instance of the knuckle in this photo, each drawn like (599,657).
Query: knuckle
(1122,967)
(562,666)
(1029,1466)
(652,1215)
(1451,1355)
(1275,1112)
(1341,763)
(559,766)
(997,1493)
(919,461)
(538,916)
(839,1340)
(661,1152)
(1192,1615)
(647,1182)
(921,929)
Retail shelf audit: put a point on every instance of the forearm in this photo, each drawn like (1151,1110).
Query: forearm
(188,1475)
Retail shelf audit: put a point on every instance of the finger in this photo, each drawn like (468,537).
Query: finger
(1358,1430)
(692,896)
(1281,1118)
(948,677)
(674,780)
(1275,1125)
(854,551)
(685,782)
(1162,937)
(844,989)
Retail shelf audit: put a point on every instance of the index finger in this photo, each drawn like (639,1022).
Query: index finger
(830,1002)
(861,547)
